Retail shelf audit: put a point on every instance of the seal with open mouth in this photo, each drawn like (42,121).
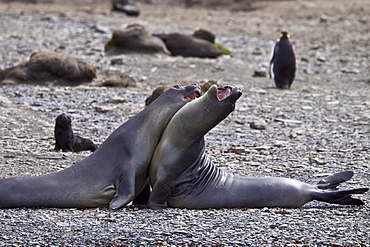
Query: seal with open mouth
(114,174)
(182,175)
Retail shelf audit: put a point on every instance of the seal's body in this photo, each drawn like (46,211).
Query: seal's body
(182,175)
(113,175)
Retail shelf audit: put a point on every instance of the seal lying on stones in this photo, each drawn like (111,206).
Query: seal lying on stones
(134,39)
(66,140)
(189,46)
(182,175)
(49,67)
(113,175)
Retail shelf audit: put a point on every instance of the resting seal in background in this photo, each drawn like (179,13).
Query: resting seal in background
(113,175)
(48,67)
(66,140)
(182,175)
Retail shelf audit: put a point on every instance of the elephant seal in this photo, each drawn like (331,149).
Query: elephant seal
(113,175)
(182,176)
(66,140)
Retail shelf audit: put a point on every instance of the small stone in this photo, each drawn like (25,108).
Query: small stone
(4,101)
(257,51)
(259,73)
(263,148)
(104,109)
(324,18)
(316,161)
(117,100)
(305,59)
(321,59)
(258,124)
(286,121)
(116,61)
(351,71)
(238,121)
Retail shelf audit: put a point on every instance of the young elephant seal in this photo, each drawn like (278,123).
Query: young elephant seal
(182,176)
(114,174)
(66,140)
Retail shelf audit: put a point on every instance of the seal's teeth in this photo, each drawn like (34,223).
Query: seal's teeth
(223,93)
(193,95)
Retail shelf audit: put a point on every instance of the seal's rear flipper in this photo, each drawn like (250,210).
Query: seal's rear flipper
(342,197)
(332,181)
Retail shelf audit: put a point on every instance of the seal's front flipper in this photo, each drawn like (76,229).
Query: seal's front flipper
(160,193)
(332,181)
(125,192)
(342,197)
(118,202)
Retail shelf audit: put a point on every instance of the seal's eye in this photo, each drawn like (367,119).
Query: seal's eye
(177,86)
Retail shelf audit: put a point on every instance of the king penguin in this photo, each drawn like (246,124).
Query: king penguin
(282,64)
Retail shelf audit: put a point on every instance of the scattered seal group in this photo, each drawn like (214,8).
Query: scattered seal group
(165,143)
(158,156)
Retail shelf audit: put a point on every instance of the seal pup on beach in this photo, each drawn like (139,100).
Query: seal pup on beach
(182,175)
(283,64)
(111,176)
(66,140)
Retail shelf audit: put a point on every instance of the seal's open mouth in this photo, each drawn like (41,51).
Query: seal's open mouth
(193,95)
(223,92)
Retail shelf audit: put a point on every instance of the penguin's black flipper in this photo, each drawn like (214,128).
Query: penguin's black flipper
(342,197)
(331,182)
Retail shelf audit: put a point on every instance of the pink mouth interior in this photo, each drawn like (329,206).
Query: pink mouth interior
(193,95)
(223,93)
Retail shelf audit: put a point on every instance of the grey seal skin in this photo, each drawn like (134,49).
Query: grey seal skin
(66,140)
(113,175)
(182,175)
(282,63)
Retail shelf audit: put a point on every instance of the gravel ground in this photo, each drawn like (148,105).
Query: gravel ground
(318,127)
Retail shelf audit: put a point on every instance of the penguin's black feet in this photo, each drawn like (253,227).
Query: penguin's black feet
(127,6)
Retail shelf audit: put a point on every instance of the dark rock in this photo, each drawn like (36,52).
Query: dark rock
(115,78)
(126,6)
